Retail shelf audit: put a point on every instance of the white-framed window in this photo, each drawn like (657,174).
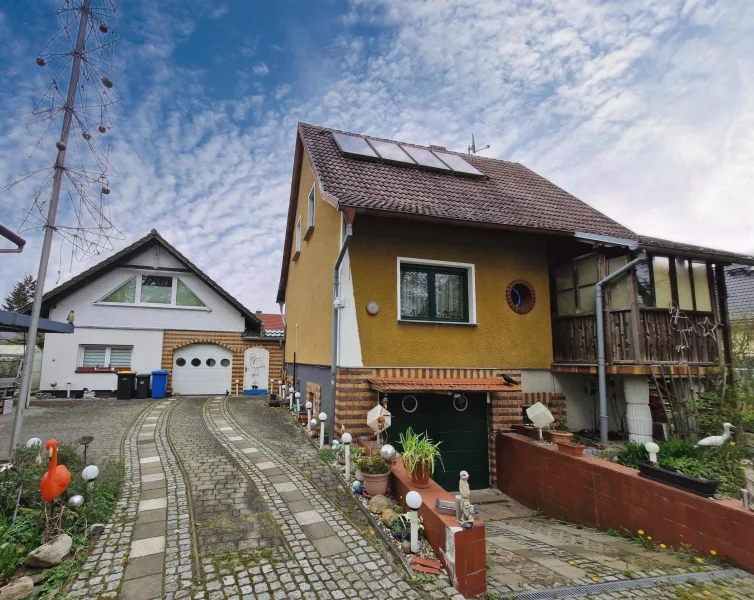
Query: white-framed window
(297,241)
(153,290)
(432,291)
(310,213)
(105,356)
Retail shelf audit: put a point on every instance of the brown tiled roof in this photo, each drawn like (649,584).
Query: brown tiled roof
(272,324)
(510,194)
(397,384)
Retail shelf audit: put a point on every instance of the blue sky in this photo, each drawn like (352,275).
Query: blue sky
(642,108)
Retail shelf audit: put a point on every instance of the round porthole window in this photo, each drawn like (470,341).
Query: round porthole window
(225,362)
(460,402)
(196,362)
(181,362)
(410,404)
(520,296)
(211,362)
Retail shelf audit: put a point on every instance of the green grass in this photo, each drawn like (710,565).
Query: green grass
(21,536)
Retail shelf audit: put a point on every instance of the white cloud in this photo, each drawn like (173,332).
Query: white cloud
(260,69)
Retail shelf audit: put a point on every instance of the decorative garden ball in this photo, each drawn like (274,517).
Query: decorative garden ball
(356,485)
(75,501)
(387,452)
(90,473)
(33,442)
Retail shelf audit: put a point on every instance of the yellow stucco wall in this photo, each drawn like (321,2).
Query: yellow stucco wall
(501,337)
(308,295)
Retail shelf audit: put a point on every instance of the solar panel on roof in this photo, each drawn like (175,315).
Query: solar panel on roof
(352,144)
(390,151)
(425,158)
(458,164)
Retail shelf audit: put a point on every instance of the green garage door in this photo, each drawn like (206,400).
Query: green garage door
(463,433)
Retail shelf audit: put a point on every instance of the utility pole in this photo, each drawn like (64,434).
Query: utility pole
(49,228)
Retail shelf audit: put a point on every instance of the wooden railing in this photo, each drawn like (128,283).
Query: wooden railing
(663,337)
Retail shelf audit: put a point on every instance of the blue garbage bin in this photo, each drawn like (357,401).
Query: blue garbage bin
(159,383)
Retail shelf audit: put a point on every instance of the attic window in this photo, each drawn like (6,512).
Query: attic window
(310,214)
(153,290)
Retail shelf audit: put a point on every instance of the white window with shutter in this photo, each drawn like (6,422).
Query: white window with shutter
(105,356)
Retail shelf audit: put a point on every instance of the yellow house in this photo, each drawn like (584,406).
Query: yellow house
(459,288)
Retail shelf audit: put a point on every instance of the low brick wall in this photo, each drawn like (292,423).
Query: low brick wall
(462,551)
(596,493)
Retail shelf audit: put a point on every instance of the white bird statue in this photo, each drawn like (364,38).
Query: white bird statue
(717,440)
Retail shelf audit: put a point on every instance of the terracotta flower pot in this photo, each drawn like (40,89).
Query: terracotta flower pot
(527,430)
(303,417)
(375,484)
(558,436)
(568,448)
(420,475)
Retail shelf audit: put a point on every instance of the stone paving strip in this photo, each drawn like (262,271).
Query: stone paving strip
(331,559)
(102,574)
(146,556)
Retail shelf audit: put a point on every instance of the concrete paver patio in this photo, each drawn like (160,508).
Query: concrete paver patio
(225,499)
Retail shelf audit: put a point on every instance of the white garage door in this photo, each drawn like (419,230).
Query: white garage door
(202,369)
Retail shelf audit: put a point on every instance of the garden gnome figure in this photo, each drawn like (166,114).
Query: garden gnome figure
(467,518)
(748,497)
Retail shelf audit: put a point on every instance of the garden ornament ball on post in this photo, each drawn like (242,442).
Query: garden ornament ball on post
(346,438)
(652,449)
(322,418)
(387,452)
(414,502)
(290,398)
(308,411)
(297,395)
(540,416)
(236,387)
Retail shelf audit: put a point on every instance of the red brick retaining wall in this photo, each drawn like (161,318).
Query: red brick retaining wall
(466,559)
(594,492)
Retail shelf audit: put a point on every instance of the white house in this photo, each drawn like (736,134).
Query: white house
(146,308)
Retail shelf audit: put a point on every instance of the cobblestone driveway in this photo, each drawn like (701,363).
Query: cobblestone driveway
(225,499)
(68,420)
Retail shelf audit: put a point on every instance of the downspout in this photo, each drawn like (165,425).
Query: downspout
(336,306)
(601,341)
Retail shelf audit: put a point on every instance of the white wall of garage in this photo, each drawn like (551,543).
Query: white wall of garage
(61,355)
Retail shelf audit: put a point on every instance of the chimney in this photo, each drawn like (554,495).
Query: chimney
(259,312)
(433,147)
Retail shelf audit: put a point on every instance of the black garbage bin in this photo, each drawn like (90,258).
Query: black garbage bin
(126,385)
(142,385)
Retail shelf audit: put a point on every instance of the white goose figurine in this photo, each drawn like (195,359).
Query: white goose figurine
(717,440)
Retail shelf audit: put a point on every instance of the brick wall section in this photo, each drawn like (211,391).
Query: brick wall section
(466,562)
(597,493)
(174,339)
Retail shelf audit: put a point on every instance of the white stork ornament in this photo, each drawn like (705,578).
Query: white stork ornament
(717,440)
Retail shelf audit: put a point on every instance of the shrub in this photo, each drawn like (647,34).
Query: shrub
(373,464)
(632,453)
(677,448)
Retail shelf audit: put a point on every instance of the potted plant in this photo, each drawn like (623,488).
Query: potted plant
(419,455)
(569,448)
(559,433)
(303,417)
(375,471)
(527,430)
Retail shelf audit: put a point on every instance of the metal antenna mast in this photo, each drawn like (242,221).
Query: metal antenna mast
(473,149)
(49,226)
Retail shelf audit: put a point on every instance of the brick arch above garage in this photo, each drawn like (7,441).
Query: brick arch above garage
(174,339)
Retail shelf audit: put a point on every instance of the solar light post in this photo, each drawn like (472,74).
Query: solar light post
(322,417)
(346,439)
(290,397)
(236,387)
(280,389)
(414,502)
(297,395)
(308,411)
